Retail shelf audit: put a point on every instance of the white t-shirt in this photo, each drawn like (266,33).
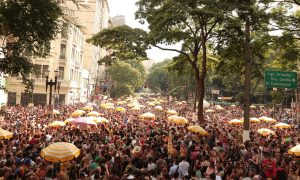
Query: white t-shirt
(48,137)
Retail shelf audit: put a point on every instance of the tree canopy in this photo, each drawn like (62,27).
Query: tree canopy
(26,28)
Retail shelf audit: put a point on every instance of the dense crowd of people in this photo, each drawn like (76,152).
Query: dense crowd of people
(130,148)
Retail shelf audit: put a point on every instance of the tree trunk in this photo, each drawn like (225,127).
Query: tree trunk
(201,79)
(247,53)
(196,97)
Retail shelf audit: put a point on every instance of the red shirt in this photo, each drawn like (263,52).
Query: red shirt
(268,167)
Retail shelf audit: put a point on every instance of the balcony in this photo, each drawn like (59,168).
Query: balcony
(38,81)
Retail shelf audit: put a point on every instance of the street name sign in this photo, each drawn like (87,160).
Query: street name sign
(280,79)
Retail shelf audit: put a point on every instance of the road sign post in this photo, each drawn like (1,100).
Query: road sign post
(280,79)
(283,79)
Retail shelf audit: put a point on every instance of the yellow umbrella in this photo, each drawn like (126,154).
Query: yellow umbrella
(109,107)
(235,121)
(110,104)
(120,109)
(87,108)
(252,107)
(172,112)
(120,102)
(136,108)
(267,119)
(60,152)
(147,115)
(100,120)
(233,105)
(93,113)
(254,120)
(170,118)
(57,124)
(77,113)
(197,129)
(4,134)
(103,105)
(150,103)
(219,108)
(158,108)
(180,120)
(295,150)
(55,111)
(68,120)
(265,131)
(282,126)
(132,104)
(209,111)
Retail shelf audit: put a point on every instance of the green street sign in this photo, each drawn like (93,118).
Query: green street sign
(280,79)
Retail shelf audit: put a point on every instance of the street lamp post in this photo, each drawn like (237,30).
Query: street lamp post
(31,104)
(51,83)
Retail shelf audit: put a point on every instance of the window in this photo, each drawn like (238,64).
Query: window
(38,71)
(73,54)
(45,68)
(71,75)
(61,72)
(62,51)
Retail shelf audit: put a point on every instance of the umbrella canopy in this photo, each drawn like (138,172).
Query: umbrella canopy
(120,102)
(254,120)
(100,120)
(68,120)
(60,152)
(282,126)
(147,115)
(109,107)
(133,104)
(93,113)
(151,103)
(91,104)
(4,134)
(120,109)
(110,104)
(265,131)
(180,120)
(83,121)
(219,108)
(172,112)
(158,108)
(57,124)
(87,108)
(295,150)
(77,113)
(170,118)
(209,111)
(235,121)
(267,119)
(55,111)
(136,108)
(252,107)
(197,129)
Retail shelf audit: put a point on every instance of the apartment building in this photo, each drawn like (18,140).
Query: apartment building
(75,59)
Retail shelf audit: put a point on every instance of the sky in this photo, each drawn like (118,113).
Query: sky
(128,8)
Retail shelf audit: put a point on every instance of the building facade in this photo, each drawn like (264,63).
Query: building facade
(75,59)
(118,21)
(66,56)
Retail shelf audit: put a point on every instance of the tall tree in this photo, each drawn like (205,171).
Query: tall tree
(123,74)
(26,28)
(190,22)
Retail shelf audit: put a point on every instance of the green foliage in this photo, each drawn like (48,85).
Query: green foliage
(124,74)
(122,90)
(167,82)
(26,26)
(126,44)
